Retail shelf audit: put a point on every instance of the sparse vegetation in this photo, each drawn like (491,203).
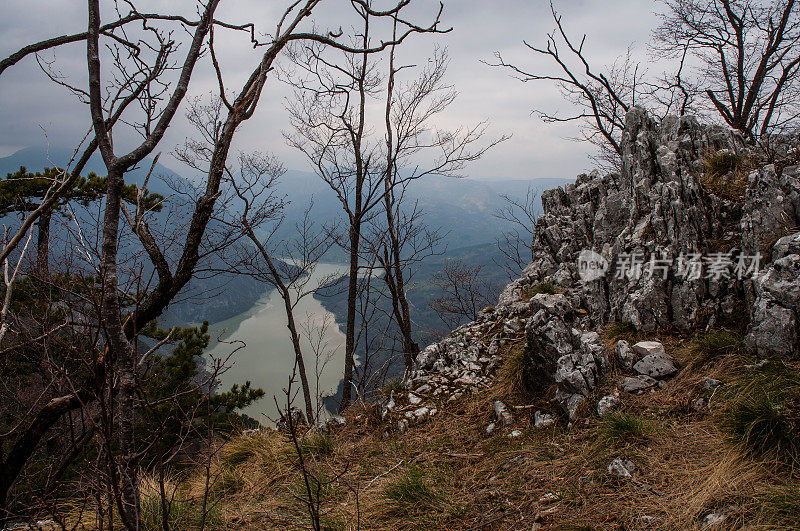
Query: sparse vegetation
(447,473)
(762,413)
(622,427)
(619,330)
(726,174)
(393,384)
(411,490)
(543,287)
(510,380)
(240,450)
(714,345)
(318,444)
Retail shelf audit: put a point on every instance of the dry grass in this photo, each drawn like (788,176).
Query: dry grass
(510,381)
(530,292)
(726,174)
(449,474)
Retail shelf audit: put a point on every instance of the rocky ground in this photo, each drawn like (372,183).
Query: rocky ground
(736,224)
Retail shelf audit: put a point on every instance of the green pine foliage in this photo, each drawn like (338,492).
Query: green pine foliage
(22,191)
(176,392)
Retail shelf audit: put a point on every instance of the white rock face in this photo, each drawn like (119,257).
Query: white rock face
(656,201)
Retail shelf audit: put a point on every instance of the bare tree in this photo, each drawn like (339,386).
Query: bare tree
(65,180)
(141,63)
(329,117)
(405,242)
(516,243)
(292,273)
(466,293)
(601,98)
(748,53)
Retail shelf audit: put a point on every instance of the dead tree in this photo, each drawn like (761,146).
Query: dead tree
(466,293)
(64,182)
(329,117)
(410,108)
(516,243)
(286,266)
(748,57)
(601,98)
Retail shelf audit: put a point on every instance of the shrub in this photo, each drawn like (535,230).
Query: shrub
(714,345)
(762,413)
(623,427)
(543,287)
(411,490)
(621,330)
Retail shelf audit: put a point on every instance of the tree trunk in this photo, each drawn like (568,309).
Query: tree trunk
(122,350)
(350,331)
(301,366)
(43,243)
(287,304)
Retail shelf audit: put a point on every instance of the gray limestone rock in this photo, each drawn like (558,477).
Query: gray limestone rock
(607,404)
(542,420)
(621,467)
(637,384)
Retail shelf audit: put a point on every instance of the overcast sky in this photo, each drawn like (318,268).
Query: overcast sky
(34,111)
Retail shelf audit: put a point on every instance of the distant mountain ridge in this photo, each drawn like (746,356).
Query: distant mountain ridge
(462,208)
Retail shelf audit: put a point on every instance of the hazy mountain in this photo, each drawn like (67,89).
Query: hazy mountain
(463,210)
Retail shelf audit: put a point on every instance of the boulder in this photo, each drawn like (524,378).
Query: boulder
(607,404)
(637,384)
(648,348)
(654,362)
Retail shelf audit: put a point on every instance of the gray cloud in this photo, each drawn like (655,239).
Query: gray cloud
(30,105)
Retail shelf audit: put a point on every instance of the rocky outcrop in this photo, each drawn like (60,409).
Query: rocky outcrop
(659,230)
(775,326)
(658,245)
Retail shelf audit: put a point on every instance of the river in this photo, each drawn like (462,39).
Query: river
(267,357)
